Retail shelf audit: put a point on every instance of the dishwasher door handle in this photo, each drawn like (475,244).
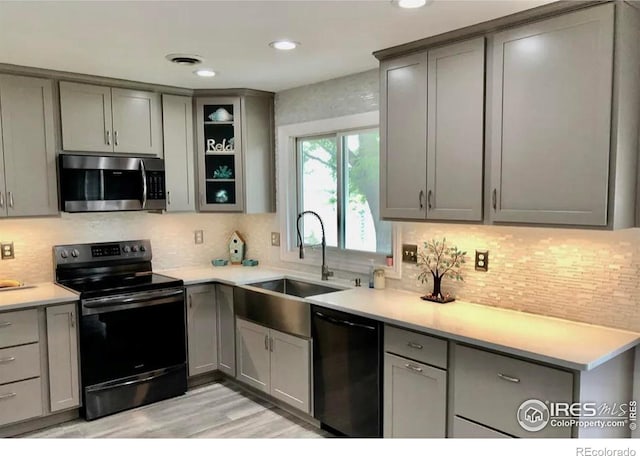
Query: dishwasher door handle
(337,321)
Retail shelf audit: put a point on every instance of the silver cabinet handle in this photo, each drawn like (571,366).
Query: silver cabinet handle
(266,342)
(429,199)
(115,136)
(190,302)
(4,324)
(7,396)
(270,344)
(108,137)
(412,367)
(494,199)
(11,199)
(414,345)
(7,360)
(72,320)
(168,197)
(1,200)
(508,378)
(420,196)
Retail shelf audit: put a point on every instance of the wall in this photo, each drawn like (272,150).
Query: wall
(583,275)
(171,238)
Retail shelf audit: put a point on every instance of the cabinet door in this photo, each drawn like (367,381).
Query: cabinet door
(252,355)
(551,114)
(202,329)
(85,112)
(403,139)
(455,131)
(220,150)
(62,341)
(226,330)
(177,127)
(137,125)
(26,106)
(291,370)
(415,399)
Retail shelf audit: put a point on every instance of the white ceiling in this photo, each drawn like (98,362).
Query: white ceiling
(128,40)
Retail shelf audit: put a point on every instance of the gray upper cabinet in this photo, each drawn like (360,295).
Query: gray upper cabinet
(551,120)
(235,149)
(177,123)
(455,131)
(226,330)
(86,117)
(27,155)
(137,126)
(202,329)
(104,119)
(403,138)
(62,349)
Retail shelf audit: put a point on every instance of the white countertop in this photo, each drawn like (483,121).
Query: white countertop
(564,343)
(40,294)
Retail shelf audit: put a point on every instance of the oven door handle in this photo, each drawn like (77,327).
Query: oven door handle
(110,304)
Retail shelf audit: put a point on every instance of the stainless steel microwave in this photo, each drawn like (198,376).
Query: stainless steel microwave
(90,183)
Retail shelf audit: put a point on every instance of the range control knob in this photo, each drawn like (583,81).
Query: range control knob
(126,249)
(75,253)
(142,248)
(64,254)
(134,248)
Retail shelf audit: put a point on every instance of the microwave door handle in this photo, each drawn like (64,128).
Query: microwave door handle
(143,173)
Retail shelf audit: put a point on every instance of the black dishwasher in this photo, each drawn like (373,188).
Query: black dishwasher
(347,368)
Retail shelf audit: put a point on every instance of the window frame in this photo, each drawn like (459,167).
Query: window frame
(289,188)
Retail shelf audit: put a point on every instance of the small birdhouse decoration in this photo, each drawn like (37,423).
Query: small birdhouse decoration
(236,248)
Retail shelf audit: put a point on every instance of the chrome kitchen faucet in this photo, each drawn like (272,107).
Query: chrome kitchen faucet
(325,269)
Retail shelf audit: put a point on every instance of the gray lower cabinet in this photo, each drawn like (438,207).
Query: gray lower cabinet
(202,339)
(62,349)
(415,399)
(177,123)
(28,185)
(252,353)
(290,370)
(551,119)
(226,330)
(276,363)
(104,119)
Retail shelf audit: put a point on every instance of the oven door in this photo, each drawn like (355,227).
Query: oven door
(125,336)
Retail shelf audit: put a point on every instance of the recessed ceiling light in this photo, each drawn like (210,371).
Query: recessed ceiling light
(184,59)
(411,3)
(284,45)
(205,72)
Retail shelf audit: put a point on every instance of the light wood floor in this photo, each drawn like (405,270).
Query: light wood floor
(221,410)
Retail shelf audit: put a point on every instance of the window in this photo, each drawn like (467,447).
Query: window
(338,178)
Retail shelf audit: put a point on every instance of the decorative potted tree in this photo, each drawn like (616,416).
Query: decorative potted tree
(439,260)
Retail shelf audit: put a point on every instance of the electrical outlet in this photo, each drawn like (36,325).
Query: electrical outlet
(275,239)
(198,236)
(482,260)
(409,253)
(6,250)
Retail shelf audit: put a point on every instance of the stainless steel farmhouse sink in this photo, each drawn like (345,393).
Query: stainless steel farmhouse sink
(279,304)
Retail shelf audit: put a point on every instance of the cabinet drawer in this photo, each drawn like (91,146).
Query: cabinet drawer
(489,389)
(464,429)
(429,350)
(20,401)
(18,363)
(17,328)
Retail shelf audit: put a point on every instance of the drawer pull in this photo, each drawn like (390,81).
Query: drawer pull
(412,367)
(7,396)
(4,324)
(508,378)
(7,360)
(414,345)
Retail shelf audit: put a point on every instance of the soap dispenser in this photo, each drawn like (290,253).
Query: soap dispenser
(371,271)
